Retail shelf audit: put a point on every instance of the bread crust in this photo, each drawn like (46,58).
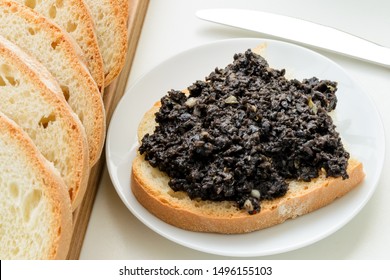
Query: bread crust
(150,187)
(49,91)
(53,188)
(124,7)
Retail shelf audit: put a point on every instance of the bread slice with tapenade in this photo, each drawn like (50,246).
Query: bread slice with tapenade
(150,187)
(294,163)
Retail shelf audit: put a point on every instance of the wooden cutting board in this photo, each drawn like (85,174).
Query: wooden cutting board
(112,94)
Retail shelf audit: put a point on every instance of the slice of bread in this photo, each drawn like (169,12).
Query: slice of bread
(74,17)
(31,97)
(111,32)
(35,210)
(42,39)
(150,187)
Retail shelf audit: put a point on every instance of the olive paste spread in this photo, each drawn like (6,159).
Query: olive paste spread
(246,130)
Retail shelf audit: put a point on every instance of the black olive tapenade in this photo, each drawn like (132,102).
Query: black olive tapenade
(245,130)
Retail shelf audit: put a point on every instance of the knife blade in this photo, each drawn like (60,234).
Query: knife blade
(300,31)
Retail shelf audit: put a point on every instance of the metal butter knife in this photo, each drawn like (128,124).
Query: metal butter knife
(300,31)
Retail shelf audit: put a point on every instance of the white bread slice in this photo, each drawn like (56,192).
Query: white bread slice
(150,187)
(42,39)
(35,210)
(111,32)
(74,17)
(31,97)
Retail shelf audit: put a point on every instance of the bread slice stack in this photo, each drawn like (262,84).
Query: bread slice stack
(53,72)
(51,46)
(32,98)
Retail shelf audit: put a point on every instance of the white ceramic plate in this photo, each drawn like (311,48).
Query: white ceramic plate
(357,119)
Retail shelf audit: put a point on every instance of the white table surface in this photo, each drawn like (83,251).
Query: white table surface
(171,27)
